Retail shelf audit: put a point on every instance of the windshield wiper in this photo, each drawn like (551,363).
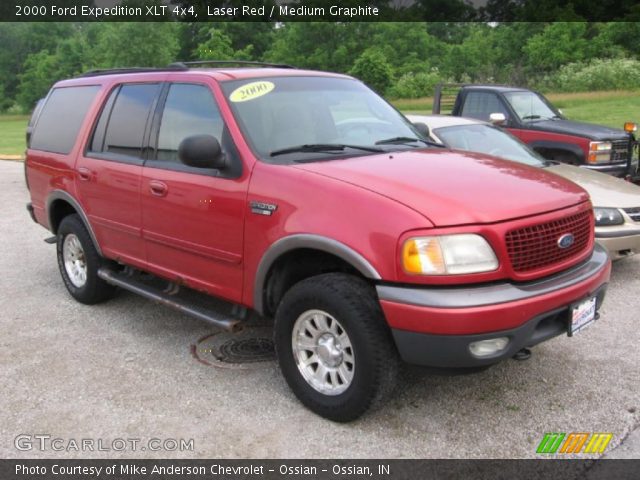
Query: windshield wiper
(404,140)
(323,147)
(531,117)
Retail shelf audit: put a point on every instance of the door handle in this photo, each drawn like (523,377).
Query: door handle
(85,174)
(158,188)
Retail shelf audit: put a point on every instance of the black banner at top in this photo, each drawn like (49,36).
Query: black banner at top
(319,10)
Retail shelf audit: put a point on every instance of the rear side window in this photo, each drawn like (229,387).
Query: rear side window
(61,118)
(123,122)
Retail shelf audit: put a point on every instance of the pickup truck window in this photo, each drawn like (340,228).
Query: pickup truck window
(123,121)
(481,105)
(529,106)
(62,115)
(189,110)
(333,117)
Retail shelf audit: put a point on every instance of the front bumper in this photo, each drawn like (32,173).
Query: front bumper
(435,326)
(621,242)
(616,169)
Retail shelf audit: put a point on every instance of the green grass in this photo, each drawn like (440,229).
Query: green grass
(12,131)
(611,108)
(605,108)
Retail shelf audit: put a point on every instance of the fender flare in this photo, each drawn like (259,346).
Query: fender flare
(62,195)
(568,147)
(315,242)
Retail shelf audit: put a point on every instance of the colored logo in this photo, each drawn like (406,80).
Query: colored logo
(575,442)
(566,240)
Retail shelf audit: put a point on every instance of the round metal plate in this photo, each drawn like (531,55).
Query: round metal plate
(250,348)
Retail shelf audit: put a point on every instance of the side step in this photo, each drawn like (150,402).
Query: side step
(136,286)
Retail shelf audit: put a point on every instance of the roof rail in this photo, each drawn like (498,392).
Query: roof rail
(178,67)
(196,63)
(114,71)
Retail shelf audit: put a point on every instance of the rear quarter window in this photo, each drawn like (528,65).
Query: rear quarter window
(62,115)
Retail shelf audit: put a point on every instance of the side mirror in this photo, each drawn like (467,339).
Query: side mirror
(201,151)
(497,118)
(422,129)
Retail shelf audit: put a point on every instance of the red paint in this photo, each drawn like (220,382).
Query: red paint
(486,319)
(198,229)
(530,136)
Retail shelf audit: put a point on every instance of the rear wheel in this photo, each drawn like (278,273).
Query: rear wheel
(79,262)
(334,347)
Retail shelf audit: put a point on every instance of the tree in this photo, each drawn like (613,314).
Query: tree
(374,70)
(558,44)
(136,44)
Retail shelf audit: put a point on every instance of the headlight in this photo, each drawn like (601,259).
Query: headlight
(608,216)
(448,255)
(599,152)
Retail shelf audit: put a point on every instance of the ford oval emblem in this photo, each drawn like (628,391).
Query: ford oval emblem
(566,240)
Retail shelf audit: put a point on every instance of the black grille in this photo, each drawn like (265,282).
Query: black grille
(619,151)
(634,213)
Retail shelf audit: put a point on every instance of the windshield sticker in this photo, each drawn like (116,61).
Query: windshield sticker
(251,91)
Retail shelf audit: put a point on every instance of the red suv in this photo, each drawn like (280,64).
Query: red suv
(304,197)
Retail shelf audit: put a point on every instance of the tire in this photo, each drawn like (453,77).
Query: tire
(564,157)
(76,254)
(361,368)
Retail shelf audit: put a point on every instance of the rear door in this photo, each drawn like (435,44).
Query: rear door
(110,170)
(193,218)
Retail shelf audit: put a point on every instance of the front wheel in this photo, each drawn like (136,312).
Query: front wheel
(334,347)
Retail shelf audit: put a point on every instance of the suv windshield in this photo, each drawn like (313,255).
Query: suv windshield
(529,106)
(316,118)
(490,140)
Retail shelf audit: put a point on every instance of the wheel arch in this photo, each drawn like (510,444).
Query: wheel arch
(290,247)
(60,204)
(570,148)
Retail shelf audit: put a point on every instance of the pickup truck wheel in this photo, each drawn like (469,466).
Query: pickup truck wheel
(334,347)
(79,261)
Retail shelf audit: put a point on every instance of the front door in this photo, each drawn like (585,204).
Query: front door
(193,218)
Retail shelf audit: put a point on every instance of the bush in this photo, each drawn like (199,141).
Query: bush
(598,74)
(373,69)
(416,85)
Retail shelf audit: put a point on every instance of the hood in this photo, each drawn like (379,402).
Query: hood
(580,129)
(454,187)
(604,190)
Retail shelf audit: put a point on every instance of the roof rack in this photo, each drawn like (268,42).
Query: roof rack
(179,67)
(196,63)
(114,71)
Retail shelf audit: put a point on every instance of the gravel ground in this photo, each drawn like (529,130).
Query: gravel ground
(125,369)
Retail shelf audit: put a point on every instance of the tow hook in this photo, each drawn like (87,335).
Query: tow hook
(522,354)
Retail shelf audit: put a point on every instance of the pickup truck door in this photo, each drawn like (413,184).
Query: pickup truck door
(193,218)
(481,104)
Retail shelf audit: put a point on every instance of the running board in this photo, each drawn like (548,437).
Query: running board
(147,291)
